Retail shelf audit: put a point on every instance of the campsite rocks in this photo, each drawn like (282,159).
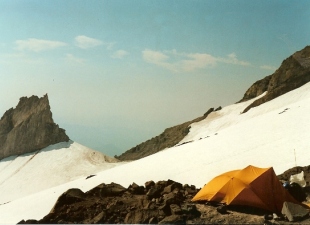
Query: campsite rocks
(161,202)
(173,219)
(112,203)
(29,127)
(107,190)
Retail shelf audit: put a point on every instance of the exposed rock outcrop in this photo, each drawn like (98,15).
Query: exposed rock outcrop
(169,138)
(163,202)
(29,127)
(112,203)
(258,88)
(293,73)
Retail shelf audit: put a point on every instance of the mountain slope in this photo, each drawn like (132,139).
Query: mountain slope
(272,134)
(293,73)
(54,165)
(170,137)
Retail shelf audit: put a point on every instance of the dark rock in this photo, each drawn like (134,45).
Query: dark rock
(90,176)
(100,218)
(69,197)
(104,190)
(171,187)
(28,222)
(136,189)
(163,183)
(141,216)
(175,209)
(208,112)
(154,192)
(190,210)
(29,127)
(222,209)
(173,198)
(173,219)
(149,184)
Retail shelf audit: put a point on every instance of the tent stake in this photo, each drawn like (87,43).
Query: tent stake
(295,158)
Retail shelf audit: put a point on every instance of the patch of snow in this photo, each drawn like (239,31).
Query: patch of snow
(54,165)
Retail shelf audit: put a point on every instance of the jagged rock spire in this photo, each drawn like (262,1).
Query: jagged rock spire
(29,127)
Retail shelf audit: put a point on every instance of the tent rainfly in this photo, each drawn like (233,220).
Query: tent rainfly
(251,186)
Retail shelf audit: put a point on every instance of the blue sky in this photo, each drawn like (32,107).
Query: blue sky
(119,72)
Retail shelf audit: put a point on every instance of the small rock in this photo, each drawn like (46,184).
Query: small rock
(175,209)
(222,209)
(173,219)
(149,184)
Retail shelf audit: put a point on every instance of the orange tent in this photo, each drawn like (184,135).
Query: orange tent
(251,186)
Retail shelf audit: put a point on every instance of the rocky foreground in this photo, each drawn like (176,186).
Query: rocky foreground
(164,202)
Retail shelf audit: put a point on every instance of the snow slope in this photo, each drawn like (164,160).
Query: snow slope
(272,134)
(54,165)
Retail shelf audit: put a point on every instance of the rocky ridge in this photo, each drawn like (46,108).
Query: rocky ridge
(29,127)
(169,138)
(293,73)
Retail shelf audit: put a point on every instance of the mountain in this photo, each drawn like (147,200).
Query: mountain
(293,73)
(36,154)
(274,134)
(29,127)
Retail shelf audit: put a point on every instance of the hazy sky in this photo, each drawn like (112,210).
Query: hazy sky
(119,72)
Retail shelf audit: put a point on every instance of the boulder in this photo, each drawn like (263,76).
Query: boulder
(171,187)
(149,184)
(173,219)
(154,192)
(294,212)
(142,216)
(105,190)
(69,197)
(136,189)
(175,209)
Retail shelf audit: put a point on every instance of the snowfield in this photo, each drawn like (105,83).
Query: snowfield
(49,167)
(275,134)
